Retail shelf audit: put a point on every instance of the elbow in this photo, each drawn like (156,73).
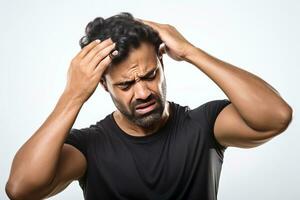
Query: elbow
(285,117)
(17,190)
(13,191)
(20,190)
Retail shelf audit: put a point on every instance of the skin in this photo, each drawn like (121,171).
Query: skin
(136,79)
(44,165)
(257,112)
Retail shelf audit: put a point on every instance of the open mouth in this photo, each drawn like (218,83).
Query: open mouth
(146,107)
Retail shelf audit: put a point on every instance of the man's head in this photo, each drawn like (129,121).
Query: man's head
(124,30)
(135,79)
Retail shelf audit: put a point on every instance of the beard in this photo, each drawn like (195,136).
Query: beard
(147,120)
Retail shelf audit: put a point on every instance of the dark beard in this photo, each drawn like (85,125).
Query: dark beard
(148,120)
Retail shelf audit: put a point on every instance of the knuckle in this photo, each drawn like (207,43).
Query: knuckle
(104,62)
(92,51)
(97,47)
(107,60)
(100,54)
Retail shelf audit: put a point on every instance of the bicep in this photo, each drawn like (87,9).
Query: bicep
(231,130)
(72,166)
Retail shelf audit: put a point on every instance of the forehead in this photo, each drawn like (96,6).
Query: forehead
(138,62)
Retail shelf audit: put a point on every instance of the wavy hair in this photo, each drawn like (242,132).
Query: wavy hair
(124,30)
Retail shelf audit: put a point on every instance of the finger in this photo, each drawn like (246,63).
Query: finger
(88,57)
(102,66)
(101,55)
(87,48)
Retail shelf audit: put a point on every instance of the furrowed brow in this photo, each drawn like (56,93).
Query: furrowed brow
(124,82)
(149,73)
(132,81)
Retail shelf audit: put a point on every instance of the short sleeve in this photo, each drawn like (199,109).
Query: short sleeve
(212,110)
(78,139)
(209,112)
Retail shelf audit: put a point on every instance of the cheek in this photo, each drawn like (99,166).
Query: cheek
(118,94)
(124,97)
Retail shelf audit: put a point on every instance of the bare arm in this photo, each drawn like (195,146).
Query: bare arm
(257,113)
(44,164)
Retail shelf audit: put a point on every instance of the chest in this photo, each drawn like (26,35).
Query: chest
(163,165)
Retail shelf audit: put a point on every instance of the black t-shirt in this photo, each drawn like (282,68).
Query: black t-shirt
(182,160)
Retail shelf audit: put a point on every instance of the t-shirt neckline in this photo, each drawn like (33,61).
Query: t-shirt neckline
(147,138)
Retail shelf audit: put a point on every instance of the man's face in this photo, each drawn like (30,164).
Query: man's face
(138,87)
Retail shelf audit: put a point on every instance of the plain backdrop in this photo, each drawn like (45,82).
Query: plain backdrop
(39,38)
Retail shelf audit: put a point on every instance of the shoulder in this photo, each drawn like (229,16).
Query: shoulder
(96,127)
(202,120)
(82,137)
(209,111)
(206,110)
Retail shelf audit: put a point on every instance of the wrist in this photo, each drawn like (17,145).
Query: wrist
(71,100)
(192,53)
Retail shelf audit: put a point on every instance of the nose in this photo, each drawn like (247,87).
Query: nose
(141,90)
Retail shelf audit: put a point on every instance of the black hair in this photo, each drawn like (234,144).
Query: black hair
(124,30)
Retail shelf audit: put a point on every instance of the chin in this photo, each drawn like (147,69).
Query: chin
(148,121)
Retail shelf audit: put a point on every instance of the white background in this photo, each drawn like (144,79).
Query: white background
(38,39)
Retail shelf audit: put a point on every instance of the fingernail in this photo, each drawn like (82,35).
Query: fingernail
(115,52)
(98,41)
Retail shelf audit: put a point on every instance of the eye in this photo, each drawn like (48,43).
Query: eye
(124,86)
(151,76)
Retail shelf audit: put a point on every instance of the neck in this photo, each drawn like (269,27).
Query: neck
(132,129)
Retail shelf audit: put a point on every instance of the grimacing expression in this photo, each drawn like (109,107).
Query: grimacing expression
(137,86)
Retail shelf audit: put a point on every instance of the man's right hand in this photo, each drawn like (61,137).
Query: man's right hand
(44,165)
(87,68)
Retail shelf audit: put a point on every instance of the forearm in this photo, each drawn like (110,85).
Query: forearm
(35,163)
(258,103)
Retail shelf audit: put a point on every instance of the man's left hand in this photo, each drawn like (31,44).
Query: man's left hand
(175,45)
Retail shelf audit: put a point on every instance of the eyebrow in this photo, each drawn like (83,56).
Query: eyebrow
(141,77)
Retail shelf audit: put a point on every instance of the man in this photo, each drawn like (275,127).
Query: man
(149,148)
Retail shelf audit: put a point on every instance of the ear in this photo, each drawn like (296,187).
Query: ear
(161,61)
(160,58)
(162,49)
(103,83)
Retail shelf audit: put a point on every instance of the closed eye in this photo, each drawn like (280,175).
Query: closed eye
(124,86)
(150,76)
(127,84)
